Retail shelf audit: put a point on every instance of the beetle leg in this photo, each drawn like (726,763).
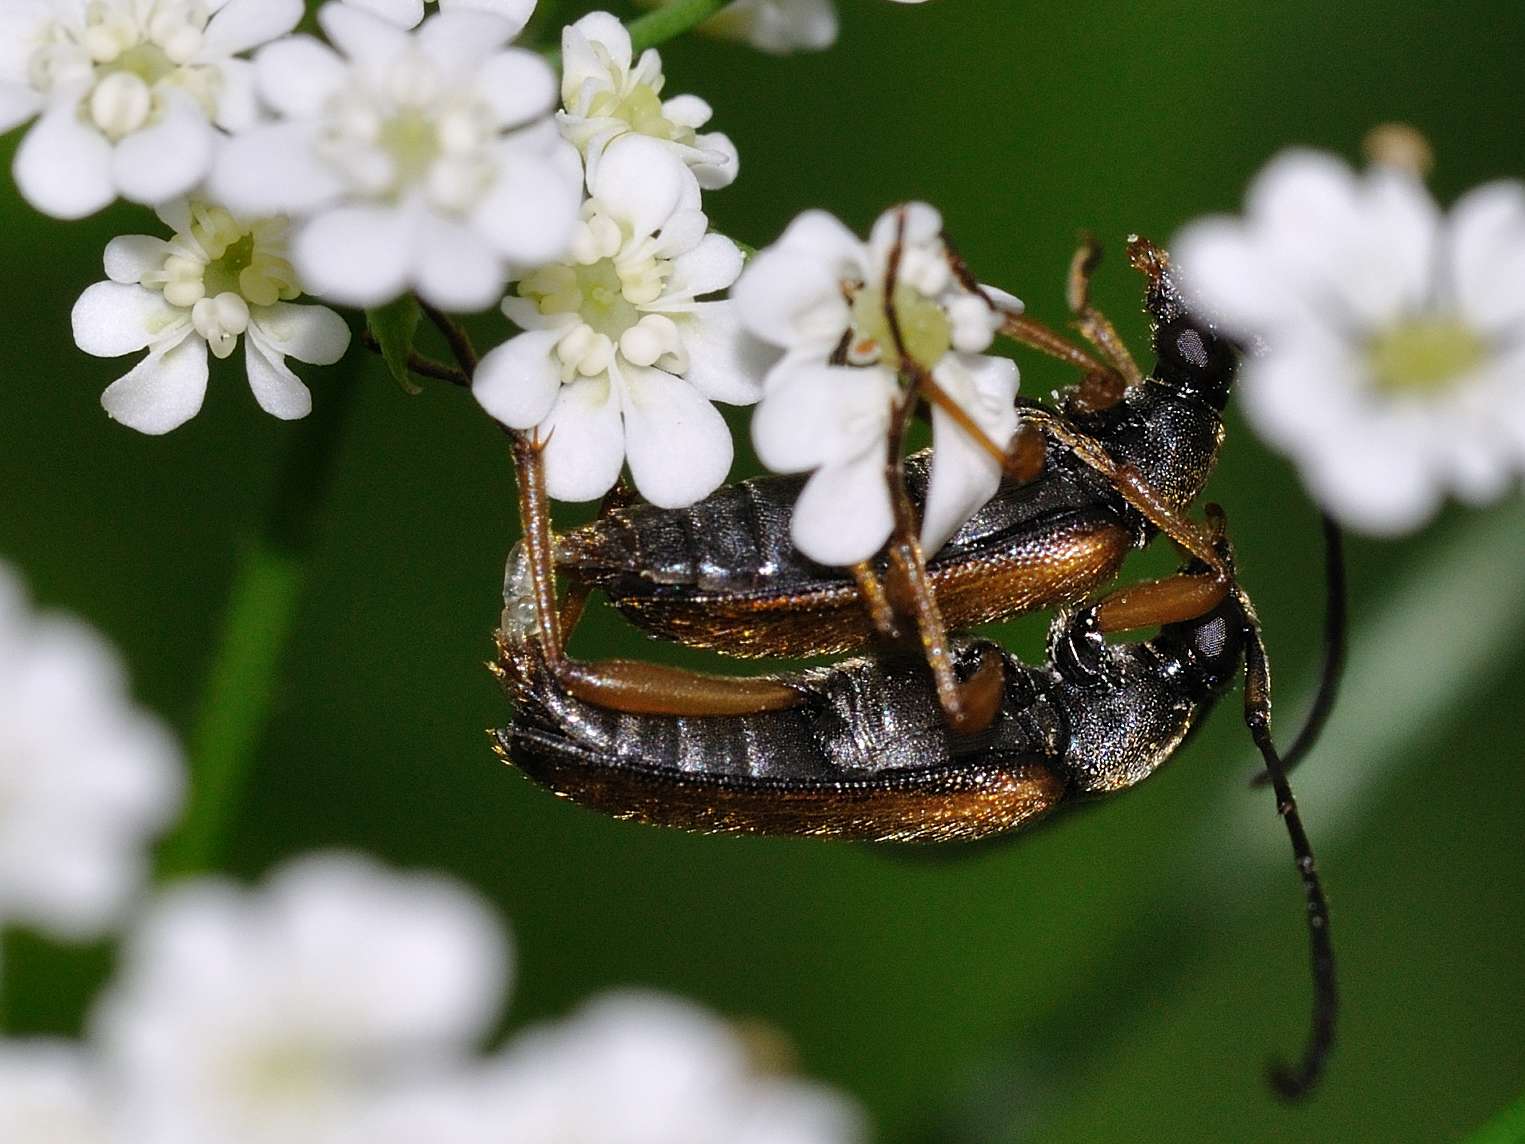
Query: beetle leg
(1171,600)
(1131,486)
(1096,327)
(621,685)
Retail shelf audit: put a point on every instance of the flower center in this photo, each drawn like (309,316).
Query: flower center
(1424,356)
(924,327)
(410,130)
(641,108)
(606,287)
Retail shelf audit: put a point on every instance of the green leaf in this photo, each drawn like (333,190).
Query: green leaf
(394,326)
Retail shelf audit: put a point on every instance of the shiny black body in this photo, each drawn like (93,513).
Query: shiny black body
(867,735)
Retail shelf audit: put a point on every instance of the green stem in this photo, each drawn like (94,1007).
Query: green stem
(669,21)
(267,588)
(1508,1127)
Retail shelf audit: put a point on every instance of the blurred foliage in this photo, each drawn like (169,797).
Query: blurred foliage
(1120,975)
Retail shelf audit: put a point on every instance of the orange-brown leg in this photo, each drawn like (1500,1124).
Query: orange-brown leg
(1171,600)
(1140,495)
(620,685)
(1091,322)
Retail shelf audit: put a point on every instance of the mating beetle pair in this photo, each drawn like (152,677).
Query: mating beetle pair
(935,737)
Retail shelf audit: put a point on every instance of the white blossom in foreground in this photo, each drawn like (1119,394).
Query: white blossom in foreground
(606,96)
(635,1068)
(129,93)
(218,279)
(424,160)
(619,361)
(1393,365)
(819,295)
(49,1094)
(288,1013)
(410,13)
(86,778)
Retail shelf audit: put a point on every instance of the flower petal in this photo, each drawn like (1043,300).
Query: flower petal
(114,318)
(314,334)
(823,415)
(1487,252)
(964,476)
(844,514)
(585,441)
(130,256)
(518,84)
(725,363)
(273,169)
(713,265)
(279,392)
(403,13)
(364,38)
(687,110)
(18,103)
(456,270)
(161,392)
(678,445)
(515,12)
(458,42)
(63,167)
(357,255)
(167,159)
(238,107)
(299,75)
(533,205)
(518,381)
(792,299)
(719,162)
(581,63)
(241,25)
(641,182)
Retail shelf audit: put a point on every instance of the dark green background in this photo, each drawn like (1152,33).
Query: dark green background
(1119,977)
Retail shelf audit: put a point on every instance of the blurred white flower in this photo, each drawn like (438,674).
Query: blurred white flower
(86,778)
(128,92)
(606,97)
(219,278)
(778,27)
(818,294)
(424,160)
(619,361)
(1393,363)
(635,1068)
(410,13)
(50,1094)
(296,1012)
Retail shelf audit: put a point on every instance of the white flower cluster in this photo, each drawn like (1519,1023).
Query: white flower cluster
(819,295)
(1392,358)
(342,1003)
(86,778)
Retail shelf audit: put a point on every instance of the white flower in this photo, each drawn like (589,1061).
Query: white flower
(410,13)
(634,1068)
(49,1094)
(618,360)
(424,160)
(1393,368)
(86,778)
(128,92)
(286,1014)
(606,97)
(818,294)
(217,279)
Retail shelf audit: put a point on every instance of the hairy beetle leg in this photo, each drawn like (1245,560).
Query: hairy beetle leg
(1095,326)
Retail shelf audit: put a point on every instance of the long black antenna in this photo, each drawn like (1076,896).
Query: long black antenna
(1336,626)
(1293,1082)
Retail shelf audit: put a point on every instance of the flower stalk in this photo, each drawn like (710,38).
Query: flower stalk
(241,684)
(669,22)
